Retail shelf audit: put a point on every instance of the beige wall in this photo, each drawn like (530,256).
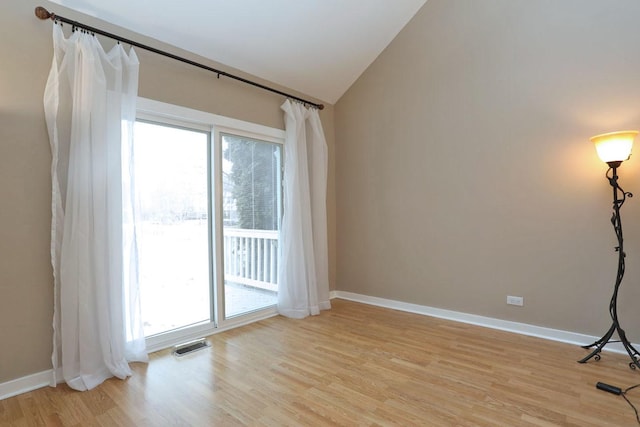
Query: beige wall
(464,171)
(26,289)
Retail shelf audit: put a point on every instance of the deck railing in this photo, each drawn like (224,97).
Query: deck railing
(251,257)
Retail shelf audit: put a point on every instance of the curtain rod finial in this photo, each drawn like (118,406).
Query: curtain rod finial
(43,13)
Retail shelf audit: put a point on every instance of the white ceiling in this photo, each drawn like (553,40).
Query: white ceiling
(317,47)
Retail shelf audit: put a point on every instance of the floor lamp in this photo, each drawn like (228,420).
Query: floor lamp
(614,148)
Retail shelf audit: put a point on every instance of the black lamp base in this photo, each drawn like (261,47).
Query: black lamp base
(619,197)
(606,339)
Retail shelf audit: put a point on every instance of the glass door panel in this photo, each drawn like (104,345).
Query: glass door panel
(251,209)
(171,180)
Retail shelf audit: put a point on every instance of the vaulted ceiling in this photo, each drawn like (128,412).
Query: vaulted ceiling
(317,47)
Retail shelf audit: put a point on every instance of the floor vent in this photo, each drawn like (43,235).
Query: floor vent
(190,347)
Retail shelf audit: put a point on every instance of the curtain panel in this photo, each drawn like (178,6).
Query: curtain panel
(304,272)
(90,110)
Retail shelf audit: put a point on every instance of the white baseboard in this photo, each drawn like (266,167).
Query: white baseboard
(488,322)
(25,384)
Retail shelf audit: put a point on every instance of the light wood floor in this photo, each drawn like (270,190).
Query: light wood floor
(353,365)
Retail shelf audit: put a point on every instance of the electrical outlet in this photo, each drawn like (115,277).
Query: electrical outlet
(515,300)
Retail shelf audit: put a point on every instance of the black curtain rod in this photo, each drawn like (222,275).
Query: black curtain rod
(44,14)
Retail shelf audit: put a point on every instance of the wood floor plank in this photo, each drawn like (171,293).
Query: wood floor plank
(354,365)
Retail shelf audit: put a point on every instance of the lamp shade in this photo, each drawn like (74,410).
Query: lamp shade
(614,146)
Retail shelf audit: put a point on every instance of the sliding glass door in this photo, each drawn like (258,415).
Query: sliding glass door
(210,200)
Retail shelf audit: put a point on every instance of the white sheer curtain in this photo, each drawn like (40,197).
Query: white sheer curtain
(90,110)
(304,271)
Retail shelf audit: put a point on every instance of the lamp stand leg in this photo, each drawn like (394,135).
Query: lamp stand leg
(619,196)
(606,339)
